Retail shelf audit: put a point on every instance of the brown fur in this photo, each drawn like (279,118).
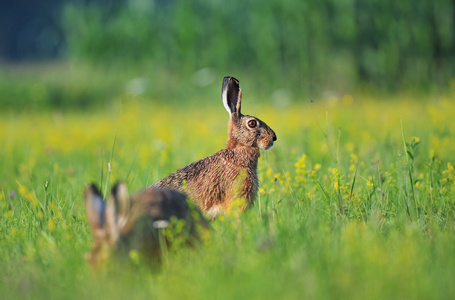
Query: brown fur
(215,181)
(133,223)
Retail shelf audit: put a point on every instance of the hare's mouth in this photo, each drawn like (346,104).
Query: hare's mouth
(265,145)
(268,141)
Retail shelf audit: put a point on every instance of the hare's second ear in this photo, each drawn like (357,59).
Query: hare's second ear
(117,208)
(95,208)
(231,94)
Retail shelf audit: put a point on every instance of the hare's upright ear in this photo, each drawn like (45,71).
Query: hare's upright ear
(231,94)
(117,209)
(95,208)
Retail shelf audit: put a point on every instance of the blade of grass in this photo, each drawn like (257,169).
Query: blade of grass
(109,166)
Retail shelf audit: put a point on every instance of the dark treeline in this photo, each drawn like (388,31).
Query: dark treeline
(301,45)
(31,30)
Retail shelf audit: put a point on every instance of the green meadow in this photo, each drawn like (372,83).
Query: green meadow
(356,197)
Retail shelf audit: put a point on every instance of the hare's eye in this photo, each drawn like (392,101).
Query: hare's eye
(252,123)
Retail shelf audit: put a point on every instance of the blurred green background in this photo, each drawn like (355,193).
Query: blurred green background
(87,52)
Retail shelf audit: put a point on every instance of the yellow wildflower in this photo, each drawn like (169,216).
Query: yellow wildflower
(354,158)
(22,191)
(416,140)
(352,168)
(370,185)
(51,224)
(53,207)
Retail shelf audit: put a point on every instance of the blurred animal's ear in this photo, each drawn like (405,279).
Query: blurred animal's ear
(231,94)
(95,208)
(117,208)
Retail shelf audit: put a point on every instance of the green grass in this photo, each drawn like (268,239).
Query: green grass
(342,211)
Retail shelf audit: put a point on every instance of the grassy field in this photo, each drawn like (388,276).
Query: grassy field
(356,200)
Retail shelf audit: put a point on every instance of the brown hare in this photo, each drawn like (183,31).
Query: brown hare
(127,223)
(215,181)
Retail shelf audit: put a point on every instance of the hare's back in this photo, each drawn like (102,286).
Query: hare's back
(161,204)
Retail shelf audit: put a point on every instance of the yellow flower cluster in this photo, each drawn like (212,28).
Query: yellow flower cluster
(336,176)
(28,195)
(370,185)
(448,177)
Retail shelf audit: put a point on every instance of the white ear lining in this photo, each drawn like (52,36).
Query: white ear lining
(225,100)
(123,199)
(116,211)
